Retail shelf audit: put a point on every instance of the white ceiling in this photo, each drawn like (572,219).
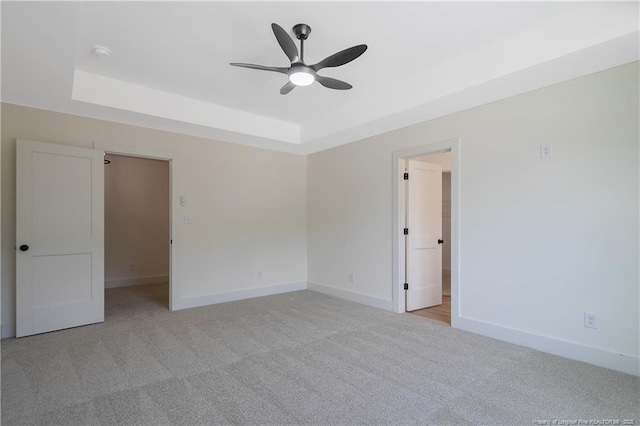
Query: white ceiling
(169,67)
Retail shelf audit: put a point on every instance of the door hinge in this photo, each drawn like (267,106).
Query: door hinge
(406,231)
(406,286)
(170,241)
(406,176)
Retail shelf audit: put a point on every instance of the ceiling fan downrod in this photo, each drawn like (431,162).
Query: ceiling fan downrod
(301,31)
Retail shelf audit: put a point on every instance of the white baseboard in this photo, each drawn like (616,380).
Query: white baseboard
(387,305)
(230,296)
(7,330)
(128,282)
(600,357)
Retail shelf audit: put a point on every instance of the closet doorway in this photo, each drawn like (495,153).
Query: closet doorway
(136,234)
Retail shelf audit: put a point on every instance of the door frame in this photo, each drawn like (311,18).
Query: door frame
(172,158)
(398,197)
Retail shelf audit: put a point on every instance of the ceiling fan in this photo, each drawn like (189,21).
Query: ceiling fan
(301,74)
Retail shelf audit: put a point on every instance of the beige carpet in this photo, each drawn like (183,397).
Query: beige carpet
(296,358)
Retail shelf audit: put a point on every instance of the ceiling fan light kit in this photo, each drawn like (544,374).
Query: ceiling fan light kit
(301,76)
(299,73)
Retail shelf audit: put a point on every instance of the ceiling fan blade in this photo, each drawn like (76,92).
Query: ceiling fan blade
(260,67)
(286,43)
(287,88)
(332,83)
(343,57)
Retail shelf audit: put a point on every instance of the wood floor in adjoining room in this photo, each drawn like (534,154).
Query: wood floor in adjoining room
(440,313)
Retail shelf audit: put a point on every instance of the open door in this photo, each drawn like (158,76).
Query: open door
(59,237)
(424,239)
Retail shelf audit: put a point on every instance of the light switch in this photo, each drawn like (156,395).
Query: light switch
(183,200)
(545,150)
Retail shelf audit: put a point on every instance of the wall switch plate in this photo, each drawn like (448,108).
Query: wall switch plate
(352,277)
(183,200)
(545,150)
(590,320)
(259,275)
(186,219)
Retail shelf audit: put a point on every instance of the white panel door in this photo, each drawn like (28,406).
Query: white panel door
(59,236)
(424,220)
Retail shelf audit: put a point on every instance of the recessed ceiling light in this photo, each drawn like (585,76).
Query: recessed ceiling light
(100,51)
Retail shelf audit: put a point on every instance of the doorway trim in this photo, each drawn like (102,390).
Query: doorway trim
(399,158)
(172,158)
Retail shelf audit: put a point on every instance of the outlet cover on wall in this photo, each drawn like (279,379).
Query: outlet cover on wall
(352,277)
(186,219)
(590,320)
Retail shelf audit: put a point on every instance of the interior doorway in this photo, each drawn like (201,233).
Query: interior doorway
(445,155)
(137,233)
(433,267)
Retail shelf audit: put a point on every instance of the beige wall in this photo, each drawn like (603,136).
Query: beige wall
(541,240)
(248,205)
(136,220)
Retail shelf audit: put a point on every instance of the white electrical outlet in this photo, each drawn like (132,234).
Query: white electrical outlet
(590,320)
(545,150)
(352,277)
(186,219)
(259,275)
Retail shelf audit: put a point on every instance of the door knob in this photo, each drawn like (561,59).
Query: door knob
(440,241)
(24,247)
